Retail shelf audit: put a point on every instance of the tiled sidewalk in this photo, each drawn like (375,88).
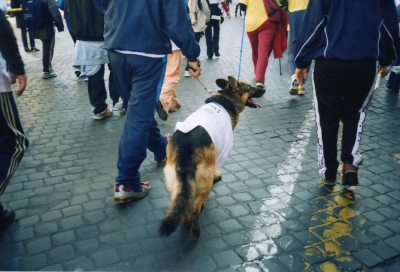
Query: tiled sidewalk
(269,212)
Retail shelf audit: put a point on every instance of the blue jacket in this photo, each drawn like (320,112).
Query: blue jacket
(147,26)
(348,30)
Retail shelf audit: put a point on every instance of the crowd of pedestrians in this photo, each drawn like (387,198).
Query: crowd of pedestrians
(145,62)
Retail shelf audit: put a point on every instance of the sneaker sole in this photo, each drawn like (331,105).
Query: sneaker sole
(329,183)
(294,92)
(101,117)
(129,199)
(49,77)
(118,112)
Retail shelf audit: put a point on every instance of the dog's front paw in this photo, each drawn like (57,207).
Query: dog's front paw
(217,177)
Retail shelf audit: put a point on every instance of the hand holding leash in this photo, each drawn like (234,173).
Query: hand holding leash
(194,68)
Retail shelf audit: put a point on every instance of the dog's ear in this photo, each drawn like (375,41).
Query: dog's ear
(232,83)
(222,83)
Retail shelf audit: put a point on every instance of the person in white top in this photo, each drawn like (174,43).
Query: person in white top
(213,27)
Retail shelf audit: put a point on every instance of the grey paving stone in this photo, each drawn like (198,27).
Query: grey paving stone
(384,251)
(106,257)
(71,222)
(87,246)
(34,262)
(61,254)
(292,263)
(368,257)
(46,229)
(380,231)
(394,242)
(38,245)
(226,258)
(63,238)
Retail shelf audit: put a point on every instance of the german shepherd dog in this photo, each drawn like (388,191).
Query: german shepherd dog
(192,158)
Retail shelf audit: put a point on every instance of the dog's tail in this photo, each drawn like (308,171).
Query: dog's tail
(181,205)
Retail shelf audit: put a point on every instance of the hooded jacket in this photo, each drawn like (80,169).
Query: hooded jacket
(53,18)
(147,26)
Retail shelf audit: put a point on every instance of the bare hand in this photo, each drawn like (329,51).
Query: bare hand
(228,15)
(384,70)
(300,74)
(22,79)
(194,69)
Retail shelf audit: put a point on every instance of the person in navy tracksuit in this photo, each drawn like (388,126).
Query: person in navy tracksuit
(13,141)
(350,41)
(138,56)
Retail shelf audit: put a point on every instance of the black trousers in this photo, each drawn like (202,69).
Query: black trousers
(97,91)
(342,93)
(13,141)
(212,36)
(47,53)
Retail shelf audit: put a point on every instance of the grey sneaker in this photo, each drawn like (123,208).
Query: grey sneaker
(50,74)
(118,108)
(107,112)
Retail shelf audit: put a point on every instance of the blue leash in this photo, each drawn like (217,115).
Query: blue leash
(241,46)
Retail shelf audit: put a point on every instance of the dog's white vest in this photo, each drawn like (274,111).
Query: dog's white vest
(217,122)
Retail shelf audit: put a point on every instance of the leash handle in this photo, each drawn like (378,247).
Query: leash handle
(241,46)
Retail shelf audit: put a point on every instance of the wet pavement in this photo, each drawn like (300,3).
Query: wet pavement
(269,213)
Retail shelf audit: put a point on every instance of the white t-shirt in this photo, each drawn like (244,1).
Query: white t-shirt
(217,122)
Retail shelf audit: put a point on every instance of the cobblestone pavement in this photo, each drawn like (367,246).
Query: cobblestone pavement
(269,212)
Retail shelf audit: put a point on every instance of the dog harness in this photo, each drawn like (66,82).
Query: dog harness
(217,122)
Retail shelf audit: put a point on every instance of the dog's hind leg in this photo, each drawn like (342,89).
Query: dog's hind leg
(204,182)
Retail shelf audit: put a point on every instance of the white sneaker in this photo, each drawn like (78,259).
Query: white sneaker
(118,108)
(107,112)
(187,73)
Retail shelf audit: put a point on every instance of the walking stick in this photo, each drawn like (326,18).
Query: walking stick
(241,45)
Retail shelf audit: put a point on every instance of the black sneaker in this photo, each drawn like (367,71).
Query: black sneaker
(6,218)
(349,175)
(216,53)
(161,112)
(34,49)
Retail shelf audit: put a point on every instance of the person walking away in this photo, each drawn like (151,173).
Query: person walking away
(13,141)
(47,34)
(89,55)
(213,27)
(341,60)
(24,29)
(297,9)
(266,27)
(199,17)
(138,56)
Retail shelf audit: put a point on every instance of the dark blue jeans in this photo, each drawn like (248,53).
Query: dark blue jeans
(138,80)
(25,30)
(212,36)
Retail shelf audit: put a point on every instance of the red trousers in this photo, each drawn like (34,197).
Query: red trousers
(261,45)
